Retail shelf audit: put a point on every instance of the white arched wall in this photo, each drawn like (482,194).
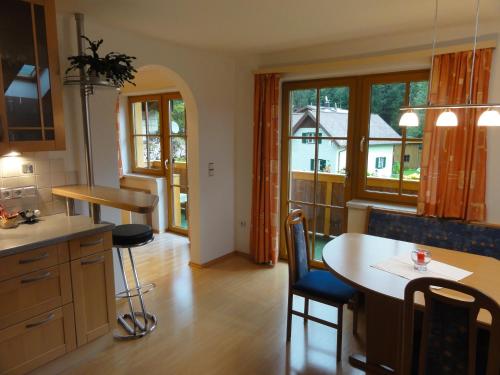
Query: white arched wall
(207,83)
(160,78)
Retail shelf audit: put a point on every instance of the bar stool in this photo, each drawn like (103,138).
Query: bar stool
(136,323)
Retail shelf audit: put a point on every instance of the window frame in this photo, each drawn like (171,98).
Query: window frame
(164,133)
(363,139)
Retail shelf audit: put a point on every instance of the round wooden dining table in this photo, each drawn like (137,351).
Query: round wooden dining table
(351,257)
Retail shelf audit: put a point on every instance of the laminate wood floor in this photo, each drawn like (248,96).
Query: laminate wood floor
(229,318)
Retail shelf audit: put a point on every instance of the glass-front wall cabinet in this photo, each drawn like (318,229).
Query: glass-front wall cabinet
(30,87)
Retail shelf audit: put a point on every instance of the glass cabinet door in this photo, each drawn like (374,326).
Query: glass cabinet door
(26,82)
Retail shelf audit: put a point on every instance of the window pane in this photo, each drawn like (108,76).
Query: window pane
(180,206)
(301,170)
(19,66)
(333,112)
(25,135)
(302,111)
(177,117)
(331,172)
(411,172)
(418,96)
(43,61)
(153,123)
(141,153)
(328,223)
(383,166)
(386,100)
(154,152)
(139,117)
(178,149)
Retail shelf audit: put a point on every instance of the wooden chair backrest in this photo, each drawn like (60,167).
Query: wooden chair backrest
(295,217)
(468,308)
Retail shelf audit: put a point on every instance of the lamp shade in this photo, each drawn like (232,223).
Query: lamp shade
(489,117)
(409,119)
(447,118)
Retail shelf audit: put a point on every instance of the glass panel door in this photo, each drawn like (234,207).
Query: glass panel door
(316,159)
(177,164)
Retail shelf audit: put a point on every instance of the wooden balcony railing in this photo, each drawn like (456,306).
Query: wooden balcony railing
(330,195)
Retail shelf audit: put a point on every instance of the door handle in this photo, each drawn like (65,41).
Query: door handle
(35,259)
(362,144)
(92,261)
(43,276)
(166,164)
(93,243)
(47,319)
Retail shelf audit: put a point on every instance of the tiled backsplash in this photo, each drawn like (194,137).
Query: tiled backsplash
(39,171)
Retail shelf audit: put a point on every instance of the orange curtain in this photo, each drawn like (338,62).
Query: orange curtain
(453,169)
(265,190)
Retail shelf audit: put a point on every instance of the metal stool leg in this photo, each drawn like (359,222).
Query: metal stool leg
(140,329)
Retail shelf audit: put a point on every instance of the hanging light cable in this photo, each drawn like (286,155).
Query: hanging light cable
(490,117)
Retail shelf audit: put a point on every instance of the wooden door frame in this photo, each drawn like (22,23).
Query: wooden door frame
(287,87)
(166,97)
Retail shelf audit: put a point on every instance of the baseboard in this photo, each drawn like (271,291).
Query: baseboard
(219,259)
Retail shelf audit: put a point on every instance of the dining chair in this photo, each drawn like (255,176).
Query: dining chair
(316,285)
(450,340)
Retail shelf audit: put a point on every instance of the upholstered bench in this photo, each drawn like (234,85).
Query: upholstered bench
(481,239)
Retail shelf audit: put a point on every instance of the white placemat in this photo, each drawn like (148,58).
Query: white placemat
(403,266)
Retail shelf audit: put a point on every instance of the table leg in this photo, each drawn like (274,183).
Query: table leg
(384,319)
(70,207)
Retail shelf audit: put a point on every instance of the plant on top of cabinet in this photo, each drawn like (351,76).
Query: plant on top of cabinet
(31,117)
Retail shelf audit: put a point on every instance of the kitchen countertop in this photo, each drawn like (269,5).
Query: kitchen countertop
(48,231)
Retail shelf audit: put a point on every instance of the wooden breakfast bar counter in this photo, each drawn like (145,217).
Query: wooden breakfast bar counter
(122,199)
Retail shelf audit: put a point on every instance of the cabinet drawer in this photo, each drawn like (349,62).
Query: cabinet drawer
(84,246)
(35,293)
(33,260)
(36,341)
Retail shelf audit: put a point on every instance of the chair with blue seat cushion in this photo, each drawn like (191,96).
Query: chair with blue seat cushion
(317,285)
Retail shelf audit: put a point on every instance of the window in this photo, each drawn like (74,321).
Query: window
(380,162)
(157,128)
(389,161)
(310,140)
(146,134)
(322,165)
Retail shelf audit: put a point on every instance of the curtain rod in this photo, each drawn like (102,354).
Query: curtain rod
(318,67)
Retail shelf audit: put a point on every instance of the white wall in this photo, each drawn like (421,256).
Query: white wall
(207,83)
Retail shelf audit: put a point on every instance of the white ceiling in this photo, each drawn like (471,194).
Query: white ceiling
(271,25)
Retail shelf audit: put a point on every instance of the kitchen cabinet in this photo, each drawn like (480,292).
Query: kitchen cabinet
(54,297)
(31,115)
(93,294)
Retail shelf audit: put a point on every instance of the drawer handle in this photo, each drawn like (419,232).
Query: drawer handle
(92,261)
(47,319)
(35,259)
(43,276)
(93,243)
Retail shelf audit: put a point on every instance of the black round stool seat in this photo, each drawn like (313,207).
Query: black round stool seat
(131,235)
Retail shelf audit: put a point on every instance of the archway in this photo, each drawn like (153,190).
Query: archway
(154,79)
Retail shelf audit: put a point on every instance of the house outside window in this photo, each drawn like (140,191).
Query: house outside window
(407,158)
(310,140)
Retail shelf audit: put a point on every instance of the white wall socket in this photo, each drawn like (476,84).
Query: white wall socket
(16,193)
(29,191)
(5,194)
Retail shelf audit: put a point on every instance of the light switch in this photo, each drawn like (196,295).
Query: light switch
(211,169)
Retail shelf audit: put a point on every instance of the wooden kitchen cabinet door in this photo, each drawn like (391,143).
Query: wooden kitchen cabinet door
(93,296)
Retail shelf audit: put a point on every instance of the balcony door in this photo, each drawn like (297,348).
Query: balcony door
(159,148)
(316,157)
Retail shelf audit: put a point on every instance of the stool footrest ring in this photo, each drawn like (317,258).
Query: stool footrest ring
(146,288)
